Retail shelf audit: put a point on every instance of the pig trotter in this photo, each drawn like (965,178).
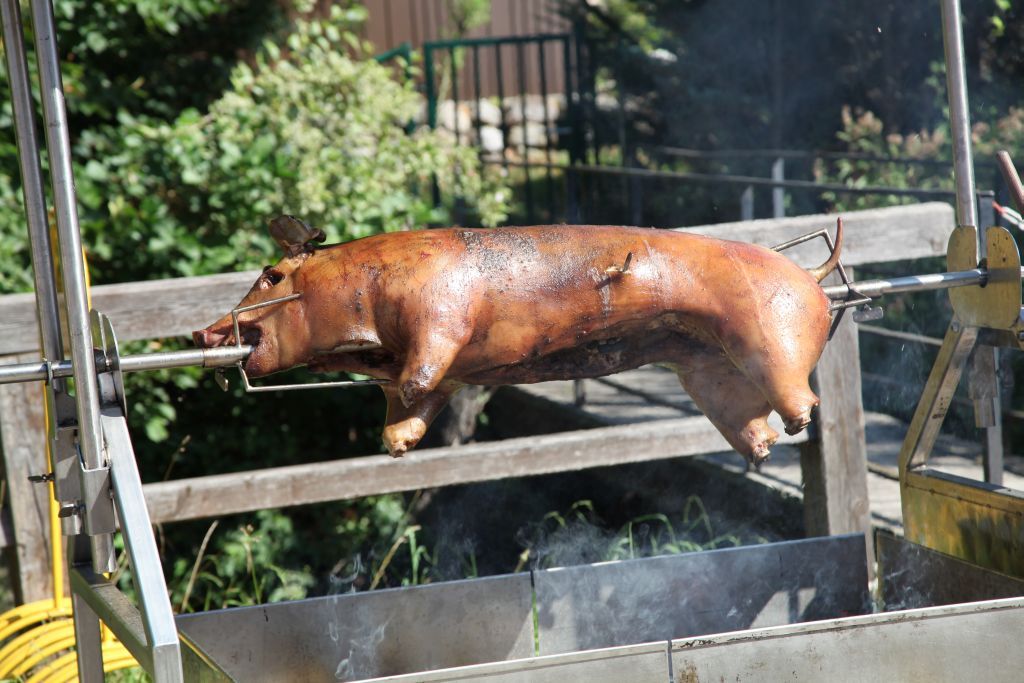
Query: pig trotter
(406,424)
(795,408)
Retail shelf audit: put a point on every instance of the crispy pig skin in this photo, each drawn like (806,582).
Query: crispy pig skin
(434,310)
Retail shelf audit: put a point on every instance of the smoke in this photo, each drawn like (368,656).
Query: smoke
(363,652)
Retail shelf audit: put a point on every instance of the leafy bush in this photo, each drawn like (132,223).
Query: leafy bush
(315,129)
(180,160)
(864,133)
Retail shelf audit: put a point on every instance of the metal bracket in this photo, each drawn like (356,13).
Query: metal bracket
(854,299)
(972,520)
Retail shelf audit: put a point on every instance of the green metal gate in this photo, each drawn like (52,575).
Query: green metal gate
(516,74)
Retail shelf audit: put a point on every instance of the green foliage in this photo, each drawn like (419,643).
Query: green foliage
(580,535)
(467,14)
(864,133)
(313,131)
(244,568)
(312,127)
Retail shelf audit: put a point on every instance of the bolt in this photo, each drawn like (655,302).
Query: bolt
(70,509)
(955,326)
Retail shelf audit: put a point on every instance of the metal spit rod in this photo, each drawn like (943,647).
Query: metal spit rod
(911,283)
(42,371)
(224,356)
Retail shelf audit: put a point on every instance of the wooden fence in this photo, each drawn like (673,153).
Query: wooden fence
(834,464)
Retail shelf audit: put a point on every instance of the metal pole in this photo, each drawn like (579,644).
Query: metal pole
(58,146)
(32,182)
(747,204)
(61,406)
(779,193)
(137,529)
(88,639)
(219,357)
(910,283)
(72,260)
(959,118)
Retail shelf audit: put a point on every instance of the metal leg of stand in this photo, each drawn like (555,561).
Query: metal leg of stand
(87,625)
(58,145)
(985,391)
(937,395)
(993,459)
(158,617)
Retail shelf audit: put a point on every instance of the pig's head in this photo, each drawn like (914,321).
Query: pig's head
(278,333)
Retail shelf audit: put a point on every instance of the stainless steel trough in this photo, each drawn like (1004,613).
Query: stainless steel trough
(796,610)
(550,613)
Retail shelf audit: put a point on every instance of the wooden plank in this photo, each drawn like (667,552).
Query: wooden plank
(138,310)
(871,236)
(23,434)
(224,494)
(835,465)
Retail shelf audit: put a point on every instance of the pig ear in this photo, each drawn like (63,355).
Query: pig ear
(294,236)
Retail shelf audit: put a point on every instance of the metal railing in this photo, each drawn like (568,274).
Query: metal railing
(443,60)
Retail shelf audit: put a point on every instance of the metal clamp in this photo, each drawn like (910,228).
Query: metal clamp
(853,299)
(248,386)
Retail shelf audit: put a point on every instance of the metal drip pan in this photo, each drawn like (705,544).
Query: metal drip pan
(525,624)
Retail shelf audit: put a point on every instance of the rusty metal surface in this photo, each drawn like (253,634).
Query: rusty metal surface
(980,523)
(997,304)
(659,598)
(912,576)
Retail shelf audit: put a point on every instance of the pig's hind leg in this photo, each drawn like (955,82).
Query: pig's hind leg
(405,424)
(787,390)
(731,402)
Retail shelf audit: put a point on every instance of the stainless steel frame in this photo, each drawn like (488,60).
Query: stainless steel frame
(657,619)
(58,145)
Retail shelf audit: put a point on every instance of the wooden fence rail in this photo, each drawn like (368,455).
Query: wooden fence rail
(834,465)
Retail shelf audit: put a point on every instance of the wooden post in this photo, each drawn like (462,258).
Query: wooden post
(835,463)
(24,447)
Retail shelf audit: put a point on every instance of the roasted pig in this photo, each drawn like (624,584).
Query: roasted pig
(435,310)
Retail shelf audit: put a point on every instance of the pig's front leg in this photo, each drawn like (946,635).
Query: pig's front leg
(406,424)
(430,356)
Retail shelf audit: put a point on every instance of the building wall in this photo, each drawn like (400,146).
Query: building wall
(392,22)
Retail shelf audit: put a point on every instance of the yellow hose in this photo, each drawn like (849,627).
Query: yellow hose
(33,636)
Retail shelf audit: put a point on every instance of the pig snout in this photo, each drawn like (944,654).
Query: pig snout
(207,339)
